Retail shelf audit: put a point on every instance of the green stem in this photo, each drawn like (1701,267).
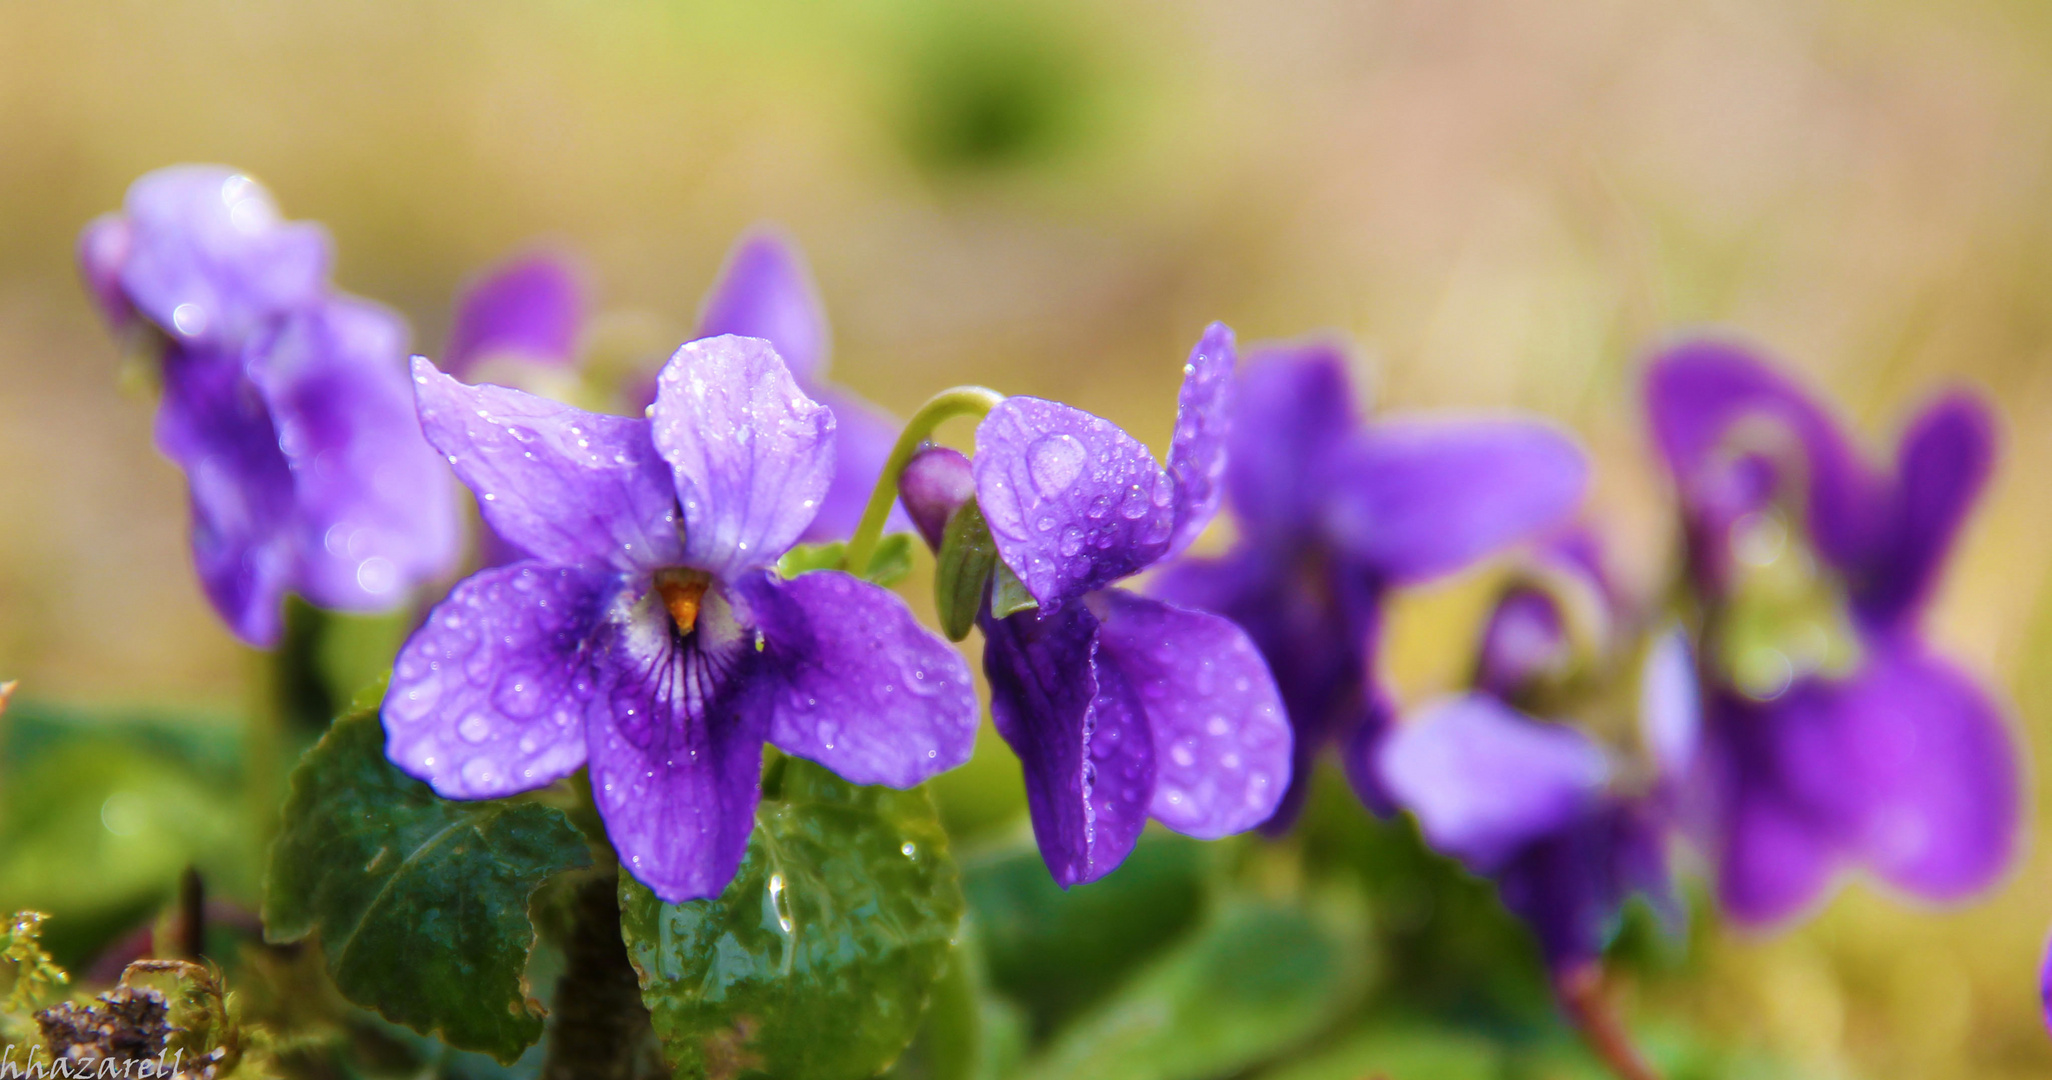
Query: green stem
(960,401)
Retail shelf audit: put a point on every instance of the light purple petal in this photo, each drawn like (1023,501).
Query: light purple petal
(1221,738)
(676,726)
(1073,502)
(1774,860)
(1197,457)
(863,438)
(1526,640)
(214,425)
(1718,410)
(103,248)
(1484,779)
(1422,498)
(1671,705)
(1940,773)
(1942,467)
(936,483)
(377,513)
(570,487)
(1080,734)
(765,291)
(209,257)
(751,455)
(486,696)
(531,307)
(862,688)
(1292,409)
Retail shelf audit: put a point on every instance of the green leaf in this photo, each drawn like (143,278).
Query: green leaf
(1254,981)
(888,563)
(1010,596)
(1057,951)
(421,902)
(816,961)
(963,566)
(1439,1053)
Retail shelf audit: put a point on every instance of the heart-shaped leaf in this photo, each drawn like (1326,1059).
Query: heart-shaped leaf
(816,961)
(421,902)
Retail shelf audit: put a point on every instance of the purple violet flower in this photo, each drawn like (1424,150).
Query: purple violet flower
(650,637)
(1565,828)
(1902,764)
(285,402)
(531,309)
(1121,707)
(1333,513)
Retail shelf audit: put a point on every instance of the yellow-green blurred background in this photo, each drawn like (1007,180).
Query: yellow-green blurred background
(1504,204)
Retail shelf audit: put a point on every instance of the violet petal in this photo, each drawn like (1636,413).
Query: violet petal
(1197,456)
(751,455)
(861,687)
(765,291)
(1944,463)
(676,725)
(1221,738)
(1417,499)
(570,487)
(1292,409)
(485,697)
(1073,502)
(531,306)
(1080,734)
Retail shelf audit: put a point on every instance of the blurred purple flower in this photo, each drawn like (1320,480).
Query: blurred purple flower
(1567,833)
(1332,513)
(284,401)
(1904,765)
(532,308)
(649,636)
(1119,706)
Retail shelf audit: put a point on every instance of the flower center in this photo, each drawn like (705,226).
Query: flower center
(683,591)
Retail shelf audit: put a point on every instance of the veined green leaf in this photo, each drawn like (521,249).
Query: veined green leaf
(963,567)
(421,902)
(888,564)
(816,962)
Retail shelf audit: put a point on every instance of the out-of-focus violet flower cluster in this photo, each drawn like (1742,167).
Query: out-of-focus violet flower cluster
(285,401)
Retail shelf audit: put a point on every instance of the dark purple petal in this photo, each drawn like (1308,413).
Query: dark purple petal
(1197,457)
(570,487)
(859,685)
(1315,623)
(1484,780)
(1080,734)
(1774,859)
(752,456)
(1417,499)
(1221,738)
(377,514)
(1526,640)
(213,423)
(863,438)
(1939,771)
(766,292)
(675,725)
(103,249)
(1073,502)
(1944,463)
(2045,986)
(486,696)
(531,307)
(1720,414)
(209,258)
(1292,410)
(1571,885)
(935,484)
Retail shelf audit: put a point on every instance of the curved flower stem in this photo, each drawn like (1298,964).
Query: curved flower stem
(1583,992)
(960,401)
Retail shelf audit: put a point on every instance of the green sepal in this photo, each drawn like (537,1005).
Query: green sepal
(817,960)
(1009,595)
(421,902)
(962,571)
(888,565)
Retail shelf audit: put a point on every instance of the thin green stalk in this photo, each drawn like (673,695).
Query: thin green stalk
(960,401)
